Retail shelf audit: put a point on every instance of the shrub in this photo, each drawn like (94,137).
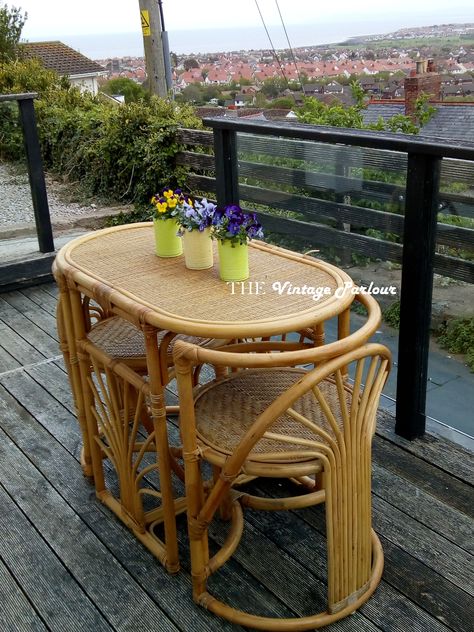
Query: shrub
(128,88)
(391,315)
(28,76)
(124,152)
(17,77)
(116,152)
(458,337)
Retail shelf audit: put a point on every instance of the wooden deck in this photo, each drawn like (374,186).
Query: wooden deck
(66,563)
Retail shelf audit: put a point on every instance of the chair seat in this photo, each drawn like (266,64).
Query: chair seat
(226,409)
(118,338)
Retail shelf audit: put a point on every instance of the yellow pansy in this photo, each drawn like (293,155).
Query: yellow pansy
(162,207)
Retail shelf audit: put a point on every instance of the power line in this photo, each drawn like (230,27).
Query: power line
(271,44)
(289,46)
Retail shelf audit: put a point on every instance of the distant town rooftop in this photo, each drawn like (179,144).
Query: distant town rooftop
(451,121)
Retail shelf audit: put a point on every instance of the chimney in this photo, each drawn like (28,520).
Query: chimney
(424,80)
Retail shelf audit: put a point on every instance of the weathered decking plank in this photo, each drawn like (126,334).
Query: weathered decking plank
(101,576)
(425,544)
(7,361)
(422,584)
(17,347)
(16,613)
(452,524)
(303,589)
(385,609)
(27,329)
(33,312)
(52,590)
(45,409)
(426,476)
(450,457)
(430,590)
(39,294)
(422,512)
(63,469)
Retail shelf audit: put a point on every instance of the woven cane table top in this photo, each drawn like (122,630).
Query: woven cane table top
(119,265)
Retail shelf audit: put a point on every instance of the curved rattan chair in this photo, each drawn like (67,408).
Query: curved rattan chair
(120,340)
(122,417)
(271,418)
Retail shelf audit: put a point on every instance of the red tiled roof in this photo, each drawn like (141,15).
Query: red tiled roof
(61,58)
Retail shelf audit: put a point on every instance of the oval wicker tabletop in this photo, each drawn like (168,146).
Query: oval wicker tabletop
(119,264)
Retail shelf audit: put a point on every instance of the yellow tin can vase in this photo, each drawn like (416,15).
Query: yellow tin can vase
(233,261)
(167,242)
(198,253)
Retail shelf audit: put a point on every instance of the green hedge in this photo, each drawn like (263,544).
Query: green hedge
(124,152)
(458,337)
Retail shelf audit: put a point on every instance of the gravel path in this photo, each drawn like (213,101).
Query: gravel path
(15,199)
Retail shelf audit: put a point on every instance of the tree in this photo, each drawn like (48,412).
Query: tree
(273,87)
(127,87)
(11,25)
(318,113)
(260,100)
(283,103)
(192,93)
(210,92)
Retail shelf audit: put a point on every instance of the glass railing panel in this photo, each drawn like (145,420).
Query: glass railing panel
(450,389)
(345,202)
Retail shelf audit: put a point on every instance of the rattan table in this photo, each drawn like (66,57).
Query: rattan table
(118,266)
(118,269)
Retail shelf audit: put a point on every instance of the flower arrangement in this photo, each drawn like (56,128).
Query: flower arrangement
(235,225)
(194,214)
(169,203)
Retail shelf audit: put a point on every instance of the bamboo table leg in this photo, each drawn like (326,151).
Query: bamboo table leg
(69,349)
(158,412)
(344,330)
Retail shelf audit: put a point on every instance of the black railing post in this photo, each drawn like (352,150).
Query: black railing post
(419,242)
(227,178)
(36,175)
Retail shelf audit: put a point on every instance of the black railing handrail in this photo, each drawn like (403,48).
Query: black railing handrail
(357,137)
(419,239)
(18,97)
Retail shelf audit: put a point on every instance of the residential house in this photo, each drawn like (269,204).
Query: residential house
(310,89)
(334,87)
(451,121)
(82,71)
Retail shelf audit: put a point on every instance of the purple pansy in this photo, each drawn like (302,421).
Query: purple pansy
(195,214)
(235,225)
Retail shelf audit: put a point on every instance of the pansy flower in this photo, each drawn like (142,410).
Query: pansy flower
(235,225)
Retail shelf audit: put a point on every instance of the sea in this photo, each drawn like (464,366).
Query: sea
(109,45)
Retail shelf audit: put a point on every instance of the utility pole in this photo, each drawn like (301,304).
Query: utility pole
(153,45)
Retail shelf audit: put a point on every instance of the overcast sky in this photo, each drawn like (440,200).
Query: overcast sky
(47,18)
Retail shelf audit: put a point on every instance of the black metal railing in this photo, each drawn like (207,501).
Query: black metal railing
(35,168)
(421,205)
